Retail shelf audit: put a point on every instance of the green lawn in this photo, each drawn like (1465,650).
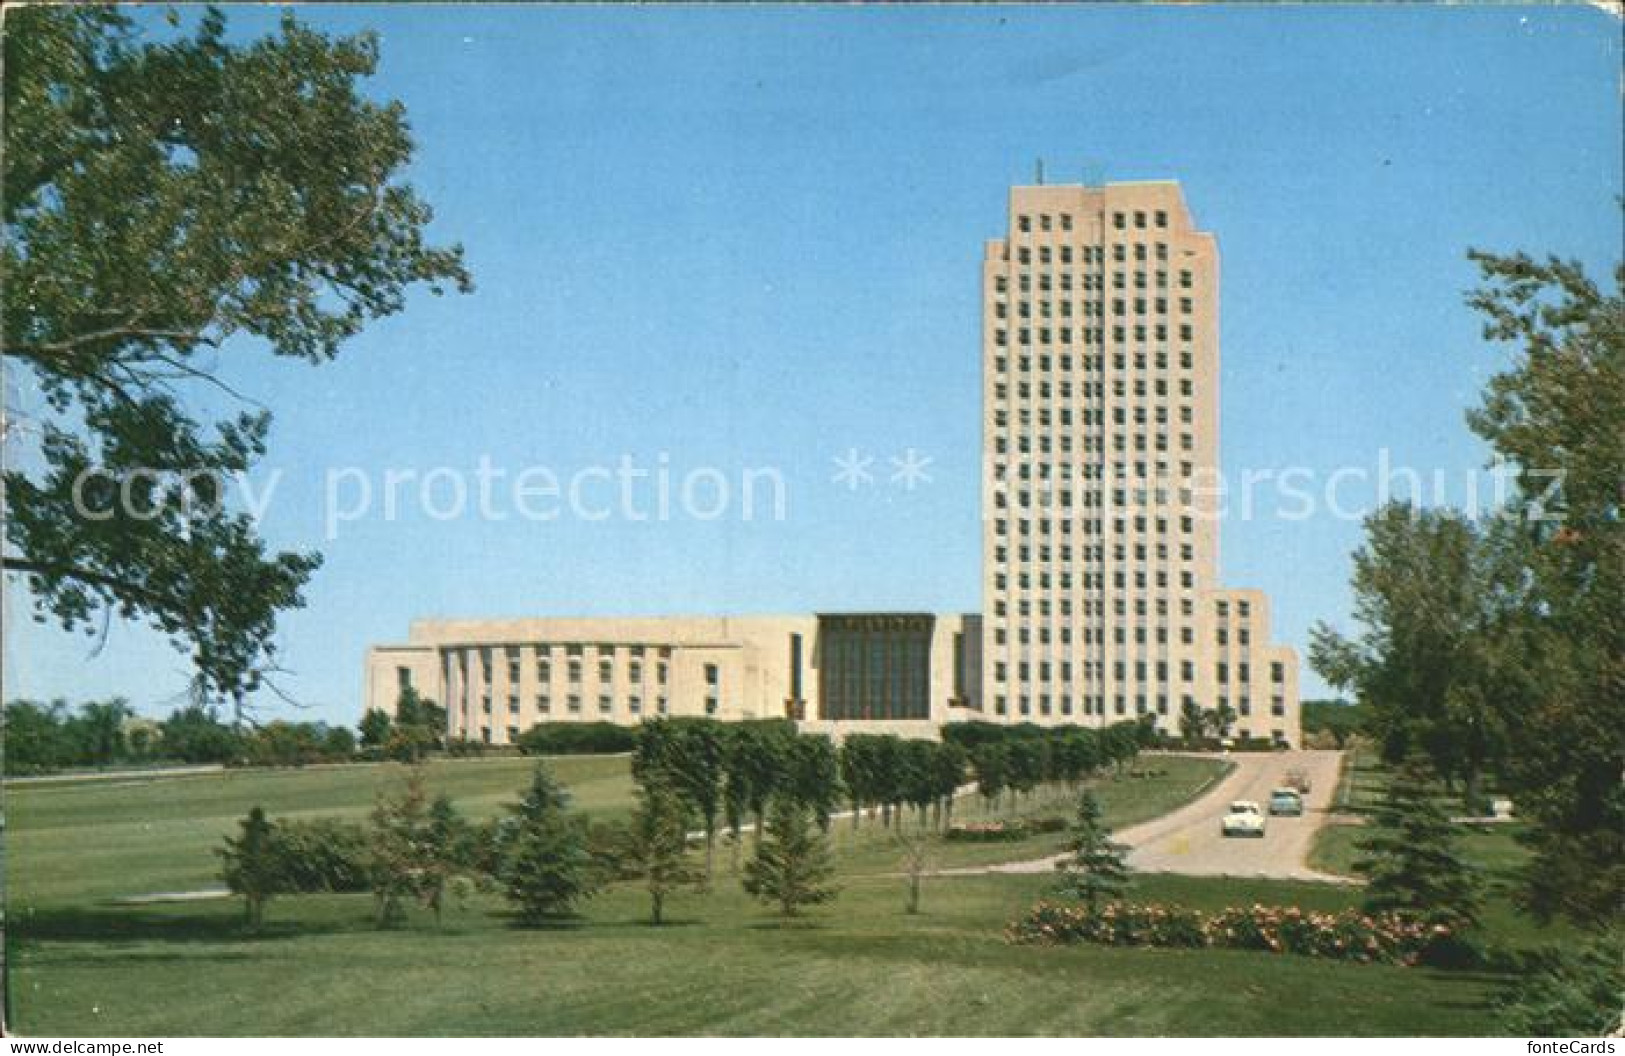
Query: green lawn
(84,965)
(69,843)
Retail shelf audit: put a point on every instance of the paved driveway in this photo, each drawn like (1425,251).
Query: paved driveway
(1188,839)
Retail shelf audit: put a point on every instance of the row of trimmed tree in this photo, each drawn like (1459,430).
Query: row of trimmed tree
(728,773)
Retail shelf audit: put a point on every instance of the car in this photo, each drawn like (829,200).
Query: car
(1244,819)
(1286,802)
(1297,779)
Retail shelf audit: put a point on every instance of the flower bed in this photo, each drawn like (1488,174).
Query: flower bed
(1349,935)
(1000,831)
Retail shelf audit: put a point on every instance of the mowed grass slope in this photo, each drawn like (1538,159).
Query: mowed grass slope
(69,843)
(84,965)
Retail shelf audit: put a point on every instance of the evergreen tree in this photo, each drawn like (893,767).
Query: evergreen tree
(1095,870)
(251,865)
(546,866)
(791,865)
(656,849)
(1412,864)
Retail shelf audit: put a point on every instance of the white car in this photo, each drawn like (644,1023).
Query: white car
(1244,819)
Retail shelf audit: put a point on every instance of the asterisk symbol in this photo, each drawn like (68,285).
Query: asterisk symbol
(852,469)
(910,470)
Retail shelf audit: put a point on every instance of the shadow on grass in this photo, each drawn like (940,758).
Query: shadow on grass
(133,924)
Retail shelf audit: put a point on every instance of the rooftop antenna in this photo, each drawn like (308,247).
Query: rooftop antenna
(1040,168)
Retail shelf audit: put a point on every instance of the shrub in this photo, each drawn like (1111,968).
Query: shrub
(323,854)
(577,738)
(1349,935)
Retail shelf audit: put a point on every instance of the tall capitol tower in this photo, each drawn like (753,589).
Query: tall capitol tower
(1100,400)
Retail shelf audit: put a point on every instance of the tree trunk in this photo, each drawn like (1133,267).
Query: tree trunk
(913,891)
(657,903)
(710,854)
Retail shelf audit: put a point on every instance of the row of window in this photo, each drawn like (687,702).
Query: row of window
(575,669)
(1090,335)
(1094,364)
(1096,670)
(1092,553)
(1120,220)
(1096,705)
(1094,309)
(1050,281)
(1091,526)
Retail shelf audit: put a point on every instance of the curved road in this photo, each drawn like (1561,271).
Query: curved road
(1188,839)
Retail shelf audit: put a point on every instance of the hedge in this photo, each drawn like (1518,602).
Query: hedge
(577,738)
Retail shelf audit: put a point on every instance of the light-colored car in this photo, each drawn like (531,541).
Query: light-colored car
(1244,819)
(1285,802)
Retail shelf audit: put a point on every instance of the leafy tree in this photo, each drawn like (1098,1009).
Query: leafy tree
(656,846)
(251,866)
(419,726)
(1557,415)
(1412,863)
(689,754)
(791,865)
(338,743)
(1192,723)
(992,770)
(1221,719)
(814,775)
(195,734)
(545,865)
(1435,600)
(98,730)
(947,774)
(375,727)
(1096,869)
(157,212)
(36,736)
(1339,718)
(755,758)
(857,773)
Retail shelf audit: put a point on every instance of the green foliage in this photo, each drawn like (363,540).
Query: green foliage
(42,738)
(689,757)
(577,738)
(545,865)
(157,209)
(318,855)
(251,868)
(813,775)
(791,866)
(1095,869)
(1557,415)
(1574,994)
(1339,719)
(1412,860)
(195,734)
(375,727)
(419,847)
(1502,646)
(655,852)
(1435,595)
(417,728)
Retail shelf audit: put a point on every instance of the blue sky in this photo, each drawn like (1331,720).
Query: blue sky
(751,237)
